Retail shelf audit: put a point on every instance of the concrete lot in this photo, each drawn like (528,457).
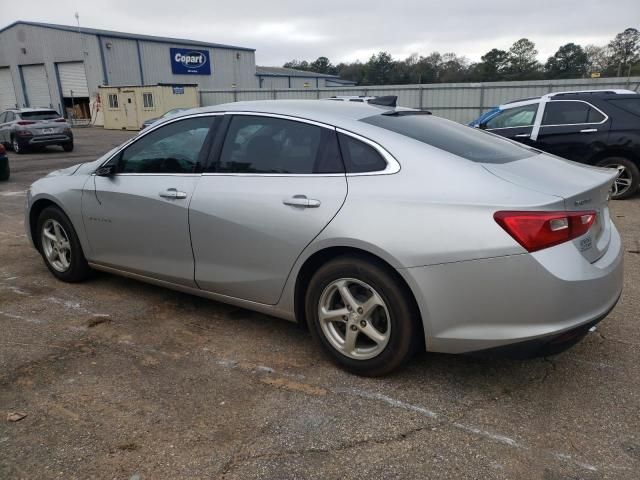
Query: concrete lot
(119,379)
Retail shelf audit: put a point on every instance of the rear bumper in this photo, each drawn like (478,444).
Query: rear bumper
(44,140)
(485,304)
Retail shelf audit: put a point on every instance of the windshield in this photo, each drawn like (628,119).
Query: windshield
(466,142)
(40,115)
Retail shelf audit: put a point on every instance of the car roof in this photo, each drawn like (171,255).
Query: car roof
(332,113)
(578,94)
(36,109)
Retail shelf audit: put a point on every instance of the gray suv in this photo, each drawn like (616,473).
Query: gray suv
(26,128)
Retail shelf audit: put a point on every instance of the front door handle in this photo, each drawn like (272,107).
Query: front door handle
(301,201)
(589,130)
(523,135)
(173,194)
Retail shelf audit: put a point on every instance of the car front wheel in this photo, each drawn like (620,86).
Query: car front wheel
(628,179)
(60,247)
(361,316)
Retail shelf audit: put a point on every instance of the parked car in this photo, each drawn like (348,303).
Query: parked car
(385,229)
(4,164)
(151,121)
(26,128)
(596,127)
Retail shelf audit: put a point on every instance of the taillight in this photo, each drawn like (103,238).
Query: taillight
(25,122)
(60,120)
(538,230)
(2,149)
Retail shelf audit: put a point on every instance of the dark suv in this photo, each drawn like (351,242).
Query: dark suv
(26,128)
(596,127)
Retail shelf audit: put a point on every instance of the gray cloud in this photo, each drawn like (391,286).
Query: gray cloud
(351,29)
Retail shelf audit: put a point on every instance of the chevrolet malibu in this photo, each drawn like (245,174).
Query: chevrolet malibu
(385,229)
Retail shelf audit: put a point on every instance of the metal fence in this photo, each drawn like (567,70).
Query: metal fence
(461,102)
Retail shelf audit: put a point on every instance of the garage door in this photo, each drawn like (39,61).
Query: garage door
(7,92)
(73,80)
(36,85)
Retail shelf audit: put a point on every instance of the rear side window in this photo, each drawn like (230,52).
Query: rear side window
(514,117)
(466,142)
(360,157)
(631,105)
(3,115)
(257,144)
(569,113)
(40,115)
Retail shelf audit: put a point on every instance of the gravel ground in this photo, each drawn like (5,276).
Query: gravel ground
(123,380)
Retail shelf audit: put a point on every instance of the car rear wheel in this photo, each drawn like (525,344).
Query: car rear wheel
(15,145)
(361,316)
(626,183)
(60,247)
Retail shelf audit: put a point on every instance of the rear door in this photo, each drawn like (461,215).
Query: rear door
(572,129)
(515,123)
(276,182)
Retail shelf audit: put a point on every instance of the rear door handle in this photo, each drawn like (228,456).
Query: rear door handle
(589,130)
(173,194)
(301,201)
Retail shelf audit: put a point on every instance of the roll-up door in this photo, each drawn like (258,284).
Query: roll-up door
(36,85)
(7,92)
(73,80)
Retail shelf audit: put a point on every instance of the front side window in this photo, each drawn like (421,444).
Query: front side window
(10,117)
(514,117)
(173,148)
(563,112)
(147,100)
(257,144)
(113,100)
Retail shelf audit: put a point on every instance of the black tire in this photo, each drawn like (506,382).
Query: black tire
(67,147)
(5,172)
(17,147)
(79,269)
(630,167)
(405,333)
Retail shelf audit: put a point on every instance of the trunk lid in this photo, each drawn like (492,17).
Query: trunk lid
(582,188)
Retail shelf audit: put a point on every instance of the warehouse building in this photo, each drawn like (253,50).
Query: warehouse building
(280,77)
(58,66)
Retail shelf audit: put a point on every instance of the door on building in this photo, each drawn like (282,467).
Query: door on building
(7,92)
(36,85)
(130,110)
(75,93)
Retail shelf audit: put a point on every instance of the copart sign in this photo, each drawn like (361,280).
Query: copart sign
(185,61)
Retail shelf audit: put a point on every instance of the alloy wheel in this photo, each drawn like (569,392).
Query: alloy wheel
(623,181)
(354,318)
(15,145)
(56,246)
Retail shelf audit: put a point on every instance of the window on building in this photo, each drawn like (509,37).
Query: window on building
(173,148)
(256,144)
(570,113)
(113,100)
(147,100)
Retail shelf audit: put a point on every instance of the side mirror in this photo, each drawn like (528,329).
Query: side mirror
(106,171)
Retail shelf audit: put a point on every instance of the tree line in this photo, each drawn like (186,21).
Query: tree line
(620,57)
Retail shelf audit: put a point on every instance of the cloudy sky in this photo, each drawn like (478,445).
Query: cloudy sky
(281,30)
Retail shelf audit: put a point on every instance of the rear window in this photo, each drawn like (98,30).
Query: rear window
(466,142)
(40,115)
(631,105)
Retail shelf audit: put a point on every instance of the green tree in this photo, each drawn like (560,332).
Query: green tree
(493,66)
(570,61)
(297,65)
(322,65)
(625,50)
(523,64)
(378,69)
(598,58)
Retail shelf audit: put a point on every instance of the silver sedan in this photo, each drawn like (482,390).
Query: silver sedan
(386,230)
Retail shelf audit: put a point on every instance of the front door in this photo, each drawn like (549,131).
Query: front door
(275,186)
(138,219)
(515,123)
(130,110)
